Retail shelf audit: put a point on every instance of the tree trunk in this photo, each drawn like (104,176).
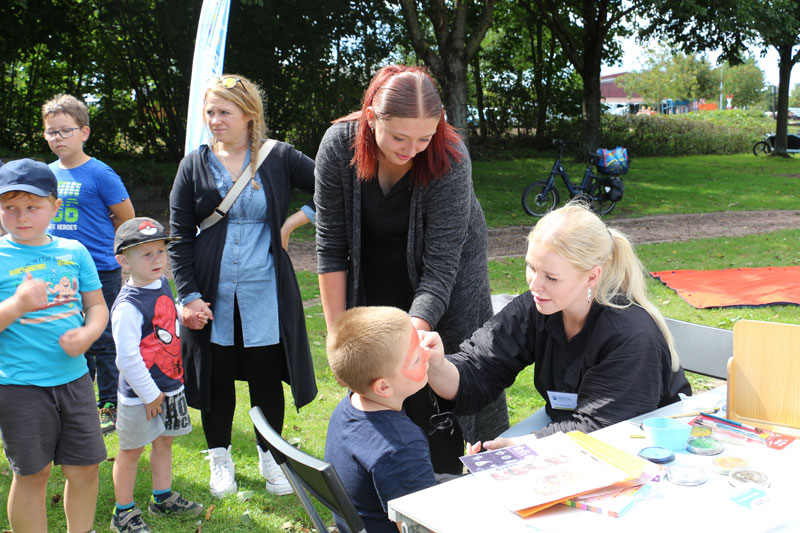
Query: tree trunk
(591,107)
(539,81)
(476,73)
(455,49)
(455,96)
(785,65)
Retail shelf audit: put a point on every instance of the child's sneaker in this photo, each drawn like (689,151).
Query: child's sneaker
(175,504)
(129,522)
(108,418)
(222,481)
(277,483)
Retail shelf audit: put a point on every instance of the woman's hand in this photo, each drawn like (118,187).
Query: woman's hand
(292,223)
(505,442)
(431,342)
(472,449)
(196,314)
(443,376)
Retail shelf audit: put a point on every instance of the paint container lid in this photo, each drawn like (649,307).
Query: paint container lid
(687,475)
(704,446)
(723,465)
(657,455)
(746,475)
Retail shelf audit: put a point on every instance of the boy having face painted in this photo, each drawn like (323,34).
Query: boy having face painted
(379,453)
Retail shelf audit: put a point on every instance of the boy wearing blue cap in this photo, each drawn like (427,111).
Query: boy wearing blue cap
(52,310)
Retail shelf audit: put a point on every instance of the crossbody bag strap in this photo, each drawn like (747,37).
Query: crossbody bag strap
(222,209)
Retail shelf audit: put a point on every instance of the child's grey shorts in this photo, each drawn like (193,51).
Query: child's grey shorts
(135,430)
(58,424)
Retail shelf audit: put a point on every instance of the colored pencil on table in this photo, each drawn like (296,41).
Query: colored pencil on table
(694,413)
(731,429)
(734,423)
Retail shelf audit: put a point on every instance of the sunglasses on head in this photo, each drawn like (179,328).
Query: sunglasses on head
(229,82)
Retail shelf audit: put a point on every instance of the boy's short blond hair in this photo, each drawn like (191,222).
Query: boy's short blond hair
(365,344)
(69,105)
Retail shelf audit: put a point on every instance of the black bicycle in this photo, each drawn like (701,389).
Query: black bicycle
(767,146)
(601,191)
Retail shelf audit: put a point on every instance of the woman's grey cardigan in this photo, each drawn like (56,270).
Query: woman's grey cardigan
(447,245)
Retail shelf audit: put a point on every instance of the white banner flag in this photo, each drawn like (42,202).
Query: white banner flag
(209,56)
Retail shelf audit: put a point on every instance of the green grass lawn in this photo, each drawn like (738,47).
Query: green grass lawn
(654,186)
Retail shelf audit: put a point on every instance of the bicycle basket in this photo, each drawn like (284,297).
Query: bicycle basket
(612,162)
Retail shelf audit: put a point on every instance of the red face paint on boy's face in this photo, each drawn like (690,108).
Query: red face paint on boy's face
(415,366)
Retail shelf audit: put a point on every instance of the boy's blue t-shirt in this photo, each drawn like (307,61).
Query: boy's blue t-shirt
(86,192)
(379,455)
(29,349)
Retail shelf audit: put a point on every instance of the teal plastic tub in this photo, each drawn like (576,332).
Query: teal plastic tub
(667,432)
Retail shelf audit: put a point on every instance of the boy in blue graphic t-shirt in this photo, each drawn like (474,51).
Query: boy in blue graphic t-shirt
(94,204)
(52,310)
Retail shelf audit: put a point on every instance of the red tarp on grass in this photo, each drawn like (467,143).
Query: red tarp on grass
(734,286)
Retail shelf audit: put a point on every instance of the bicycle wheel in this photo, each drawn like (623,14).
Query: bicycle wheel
(537,204)
(598,196)
(762,147)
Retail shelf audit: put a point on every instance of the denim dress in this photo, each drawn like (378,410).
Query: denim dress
(247,271)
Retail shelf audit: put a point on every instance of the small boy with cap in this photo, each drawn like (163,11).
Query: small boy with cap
(151,404)
(51,311)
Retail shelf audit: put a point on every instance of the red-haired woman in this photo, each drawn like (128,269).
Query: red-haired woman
(398,224)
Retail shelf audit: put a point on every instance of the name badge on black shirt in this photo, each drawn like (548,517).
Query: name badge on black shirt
(563,400)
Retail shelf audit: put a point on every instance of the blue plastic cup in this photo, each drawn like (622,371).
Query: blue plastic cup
(667,432)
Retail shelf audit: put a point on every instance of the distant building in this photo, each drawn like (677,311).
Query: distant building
(612,93)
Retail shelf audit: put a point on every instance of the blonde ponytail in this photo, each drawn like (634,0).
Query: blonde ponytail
(623,275)
(578,235)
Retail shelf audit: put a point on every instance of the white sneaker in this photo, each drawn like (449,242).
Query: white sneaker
(277,483)
(222,481)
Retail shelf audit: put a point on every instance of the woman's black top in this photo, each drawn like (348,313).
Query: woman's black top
(385,239)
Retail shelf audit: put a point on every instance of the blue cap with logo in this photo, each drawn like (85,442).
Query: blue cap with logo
(29,176)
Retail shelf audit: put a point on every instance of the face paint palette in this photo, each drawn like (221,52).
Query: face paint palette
(657,455)
(723,465)
(704,446)
(749,476)
(687,475)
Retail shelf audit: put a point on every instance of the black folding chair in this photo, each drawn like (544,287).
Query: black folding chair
(309,475)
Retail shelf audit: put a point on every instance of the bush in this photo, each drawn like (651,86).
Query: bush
(710,132)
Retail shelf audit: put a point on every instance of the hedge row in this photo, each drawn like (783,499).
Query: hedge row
(711,132)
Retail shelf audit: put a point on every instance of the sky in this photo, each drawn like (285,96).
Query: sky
(768,64)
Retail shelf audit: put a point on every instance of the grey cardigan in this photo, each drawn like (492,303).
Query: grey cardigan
(447,239)
(446,255)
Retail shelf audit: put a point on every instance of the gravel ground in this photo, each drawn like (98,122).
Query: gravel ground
(510,241)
